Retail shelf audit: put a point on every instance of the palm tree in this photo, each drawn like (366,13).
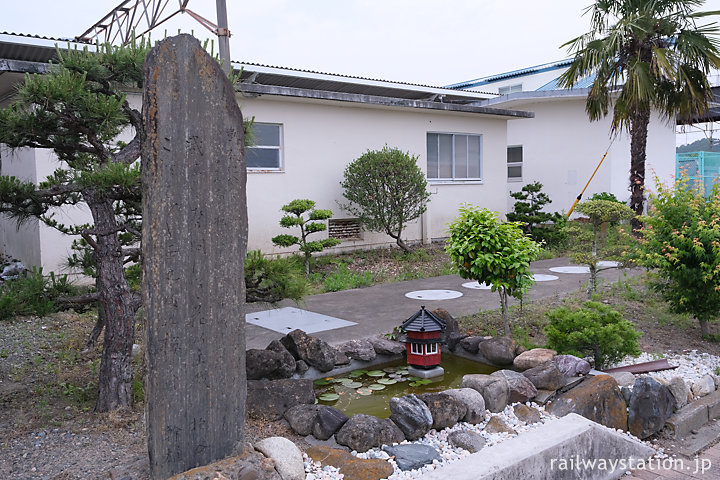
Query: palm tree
(645,55)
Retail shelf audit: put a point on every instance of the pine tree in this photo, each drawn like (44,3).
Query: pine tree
(78,110)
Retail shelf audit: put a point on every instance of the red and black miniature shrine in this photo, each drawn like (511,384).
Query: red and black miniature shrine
(423,341)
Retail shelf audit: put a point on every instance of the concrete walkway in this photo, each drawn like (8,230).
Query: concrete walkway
(705,466)
(380,308)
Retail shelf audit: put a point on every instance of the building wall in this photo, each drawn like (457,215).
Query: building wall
(23,242)
(562,148)
(321,138)
(529,82)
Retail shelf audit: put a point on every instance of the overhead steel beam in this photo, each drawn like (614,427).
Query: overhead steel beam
(131,17)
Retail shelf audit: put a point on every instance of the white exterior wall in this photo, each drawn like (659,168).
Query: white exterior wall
(321,138)
(561,148)
(529,82)
(36,244)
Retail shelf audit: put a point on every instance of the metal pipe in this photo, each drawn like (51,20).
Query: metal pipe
(223,35)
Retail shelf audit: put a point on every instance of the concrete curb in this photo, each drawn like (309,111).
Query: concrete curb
(693,416)
(552,451)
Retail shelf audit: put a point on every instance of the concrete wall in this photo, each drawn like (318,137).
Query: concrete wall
(321,138)
(529,82)
(561,148)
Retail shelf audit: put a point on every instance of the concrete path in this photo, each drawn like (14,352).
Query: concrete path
(380,308)
(705,466)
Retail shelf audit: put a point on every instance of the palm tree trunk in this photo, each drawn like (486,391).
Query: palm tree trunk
(638,142)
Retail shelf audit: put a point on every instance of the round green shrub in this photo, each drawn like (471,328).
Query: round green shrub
(594,329)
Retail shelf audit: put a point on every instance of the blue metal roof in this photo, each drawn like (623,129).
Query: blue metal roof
(545,67)
(582,83)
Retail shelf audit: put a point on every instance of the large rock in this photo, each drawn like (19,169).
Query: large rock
(412,456)
(451,325)
(383,346)
(623,379)
(680,390)
(363,432)
(268,364)
(327,422)
(494,390)
(360,349)
(572,366)
(287,457)
(270,399)
(446,410)
(521,389)
(315,352)
(351,466)
(546,376)
(454,339)
(302,418)
(470,441)
(703,386)
(288,362)
(411,415)
(471,344)
(498,351)
(597,398)
(533,358)
(473,401)
(341,358)
(651,404)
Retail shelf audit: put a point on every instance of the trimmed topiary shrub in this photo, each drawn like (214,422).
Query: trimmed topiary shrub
(594,329)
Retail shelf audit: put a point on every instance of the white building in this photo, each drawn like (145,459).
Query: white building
(310,125)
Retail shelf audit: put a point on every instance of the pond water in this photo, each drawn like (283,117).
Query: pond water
(369,391)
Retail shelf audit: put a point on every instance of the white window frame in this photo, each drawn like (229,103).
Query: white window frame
(416,349)
(431,348)
(454,179)
(279,148)
(515,164)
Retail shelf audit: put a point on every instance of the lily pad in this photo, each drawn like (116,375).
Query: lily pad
(357,373)
(345,381)
(418,383)
(328,397)
(322,381)
(390,369)
(352,385)
(376,373)
(364,391)
(376,386)
(387,381)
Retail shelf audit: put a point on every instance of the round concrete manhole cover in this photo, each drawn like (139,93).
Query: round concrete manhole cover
(570,269)
(433,294)
(608,263)
(477,286)
(541,277)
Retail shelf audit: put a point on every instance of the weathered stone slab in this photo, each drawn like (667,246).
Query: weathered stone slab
(194,241)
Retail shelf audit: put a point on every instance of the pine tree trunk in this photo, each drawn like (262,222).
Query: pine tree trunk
(638,142)
(115,385)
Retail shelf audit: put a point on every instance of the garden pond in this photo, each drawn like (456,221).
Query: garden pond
(369,391)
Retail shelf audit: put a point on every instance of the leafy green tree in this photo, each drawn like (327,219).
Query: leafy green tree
(385,189)
(596,329)
(588,247)
(497,253)
(78,110)
(681,239)
(645,55)
(543,227)
(294,218)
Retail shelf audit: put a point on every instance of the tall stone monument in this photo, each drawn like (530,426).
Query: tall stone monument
(194,243)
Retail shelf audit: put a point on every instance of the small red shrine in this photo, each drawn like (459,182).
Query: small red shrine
(423,339)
